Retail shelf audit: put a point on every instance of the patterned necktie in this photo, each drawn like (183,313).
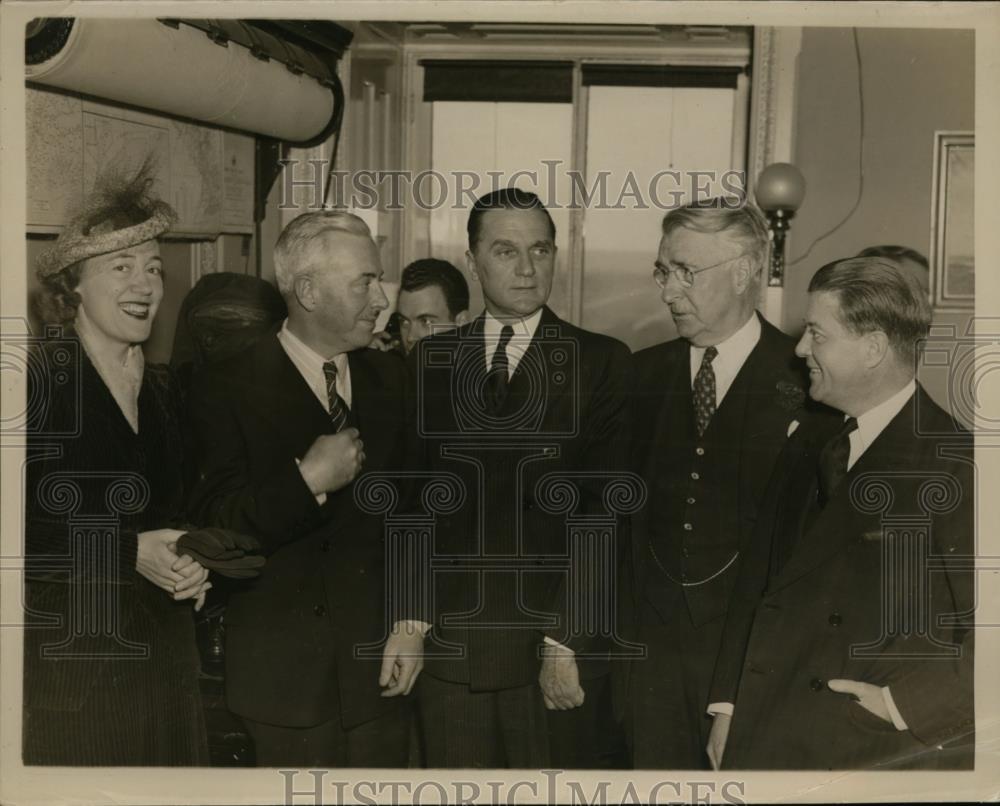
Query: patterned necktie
(496,380)
(338,408)
(833,461)
(704,391)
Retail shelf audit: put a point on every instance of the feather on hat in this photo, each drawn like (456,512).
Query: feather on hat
(99,228)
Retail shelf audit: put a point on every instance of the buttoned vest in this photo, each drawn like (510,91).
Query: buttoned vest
(694,522)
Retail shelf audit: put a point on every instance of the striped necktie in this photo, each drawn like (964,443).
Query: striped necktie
(338,408)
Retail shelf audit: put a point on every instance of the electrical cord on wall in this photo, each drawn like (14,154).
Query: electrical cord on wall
(861,159)
(339,100)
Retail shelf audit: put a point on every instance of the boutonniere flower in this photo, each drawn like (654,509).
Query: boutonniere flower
(790,397)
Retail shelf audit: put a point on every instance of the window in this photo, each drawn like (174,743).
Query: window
(621,141)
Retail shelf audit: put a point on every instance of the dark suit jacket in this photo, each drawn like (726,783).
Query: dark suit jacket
(91,486)
(291,633)
(847,598)
(772,380)
(562,415)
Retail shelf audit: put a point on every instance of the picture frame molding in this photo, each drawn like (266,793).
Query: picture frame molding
(944,141)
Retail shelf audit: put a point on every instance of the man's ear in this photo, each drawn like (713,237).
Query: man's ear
(304,291)
(743,273)
(470,263)
(876,348)
(462,318)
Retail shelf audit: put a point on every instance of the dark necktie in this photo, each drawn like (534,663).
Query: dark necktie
(496,380)
(338,408)
(704,391)
(833,461)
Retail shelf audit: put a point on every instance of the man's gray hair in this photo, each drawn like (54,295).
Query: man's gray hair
(291,252)
(719,214)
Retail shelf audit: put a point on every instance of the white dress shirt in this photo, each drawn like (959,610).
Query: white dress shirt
(873,422)
(733,353)
(309,363)
(524,332)
(870,425)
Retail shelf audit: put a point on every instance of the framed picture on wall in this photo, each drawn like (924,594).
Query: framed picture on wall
(952,217)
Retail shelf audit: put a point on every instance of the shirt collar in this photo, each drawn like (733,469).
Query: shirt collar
(523,328)
(305,354)
(734,350)
(309,365)
(524,333)
(873,422)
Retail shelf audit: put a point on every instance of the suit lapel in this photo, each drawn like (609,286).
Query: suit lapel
(763,423)
(530,383)
(523,382)
(841,521)
(666,417)
(472,353)
(451,362)
(672,412)
(763,367)
(534,369)
(365,388)
(795,476)
(283,395)
(375,408)
(746,393)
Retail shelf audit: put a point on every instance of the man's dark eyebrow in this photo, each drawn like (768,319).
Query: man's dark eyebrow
(501,242)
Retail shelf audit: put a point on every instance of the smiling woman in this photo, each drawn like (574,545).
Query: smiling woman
(120,293)
(115,680)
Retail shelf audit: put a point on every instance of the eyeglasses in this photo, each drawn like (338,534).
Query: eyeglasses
(683,274)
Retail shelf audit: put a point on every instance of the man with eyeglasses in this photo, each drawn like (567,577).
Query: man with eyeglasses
(710,412)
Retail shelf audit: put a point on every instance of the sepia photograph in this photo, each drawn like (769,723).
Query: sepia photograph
(499,402)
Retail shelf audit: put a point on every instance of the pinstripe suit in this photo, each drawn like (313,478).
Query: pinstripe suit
(563,413)
(117,684)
